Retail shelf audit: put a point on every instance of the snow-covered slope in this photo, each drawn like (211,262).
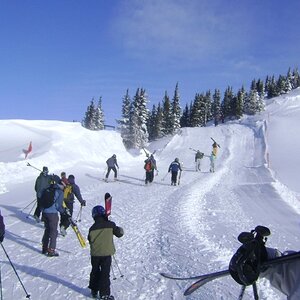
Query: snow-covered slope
(187,229)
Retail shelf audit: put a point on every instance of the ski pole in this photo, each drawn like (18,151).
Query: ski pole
(164,176)
(27,295)
(29,165)
(28,204)
(121,275)
(79,215)
(242,292)
(33,206)
(113,272)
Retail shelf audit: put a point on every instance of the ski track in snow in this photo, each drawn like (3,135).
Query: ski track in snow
(189,229)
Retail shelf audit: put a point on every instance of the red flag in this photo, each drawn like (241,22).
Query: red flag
(26,152)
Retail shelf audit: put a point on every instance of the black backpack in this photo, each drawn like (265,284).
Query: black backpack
(47,198)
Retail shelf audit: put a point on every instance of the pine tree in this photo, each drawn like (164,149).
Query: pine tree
(90,115)
(176,110)
(240,103)
(125,121)
(227,103)
(185,118)
(167,124)
(216,107)
(99,116)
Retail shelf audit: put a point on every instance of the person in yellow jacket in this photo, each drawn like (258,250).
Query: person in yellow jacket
(102,248)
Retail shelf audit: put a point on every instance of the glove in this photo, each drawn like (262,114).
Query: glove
(83,203)
(1,238)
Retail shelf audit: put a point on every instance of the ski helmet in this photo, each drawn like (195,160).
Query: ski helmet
(98,211)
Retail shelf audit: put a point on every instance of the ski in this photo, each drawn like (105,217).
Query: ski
(108,203)
(215,142)
(80,237)
(203,279)
(203,276)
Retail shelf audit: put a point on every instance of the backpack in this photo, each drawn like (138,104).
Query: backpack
(148,166)
(199,155)
(47,198)
(68,192)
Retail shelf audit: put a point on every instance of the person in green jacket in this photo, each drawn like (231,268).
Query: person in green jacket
(102,248)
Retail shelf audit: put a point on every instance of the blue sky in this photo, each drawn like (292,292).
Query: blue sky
(55,56)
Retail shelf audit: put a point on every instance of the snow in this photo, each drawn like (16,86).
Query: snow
(185,230)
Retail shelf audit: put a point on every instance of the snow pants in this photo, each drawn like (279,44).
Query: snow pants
(64,219)
(108,171)
(99,277)
(50,233)
(198,164)
(149,176)
(174,178)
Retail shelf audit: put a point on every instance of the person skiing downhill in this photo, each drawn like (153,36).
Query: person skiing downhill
(150,166)
(174,168)
(111,165)
(102,247)
(42,182)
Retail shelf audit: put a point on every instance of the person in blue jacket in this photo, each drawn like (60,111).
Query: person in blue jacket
(174,168)
(50,217)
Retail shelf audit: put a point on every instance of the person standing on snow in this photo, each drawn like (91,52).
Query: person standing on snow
(212,158)
(102,248)
(150,166)
(69,198)
(2,228)
(50,217)
(111,165)
(198,156)
(174,168)
(42,182)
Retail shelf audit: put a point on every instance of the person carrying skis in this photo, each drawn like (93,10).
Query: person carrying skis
(71,191)
(50,216)
(198,156)
(102,248)
(284,277)
(111,165)
(174,168)
(215,148)
(150,166)
(42,182)
(2,228)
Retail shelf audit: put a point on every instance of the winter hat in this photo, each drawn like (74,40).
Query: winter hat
(107,195)
(45,169)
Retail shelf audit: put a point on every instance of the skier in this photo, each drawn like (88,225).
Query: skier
(2,228)
(198,156)
(50,216)
(42,182)
(102,248)
(111,165)
(212,158)
(63,178)
(150,166)
(284,277)
(74,191)
(174,168)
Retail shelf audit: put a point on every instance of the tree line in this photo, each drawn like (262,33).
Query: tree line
(139,125)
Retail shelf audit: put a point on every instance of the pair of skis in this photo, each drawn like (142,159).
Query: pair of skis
(205,278)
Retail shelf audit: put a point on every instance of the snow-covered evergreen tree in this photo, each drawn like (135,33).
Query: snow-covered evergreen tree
(216,107)
(240,98)
(185,118)
(124,122)
(227,103)
(89,120)
(176,110)
(99,116)
(167,124)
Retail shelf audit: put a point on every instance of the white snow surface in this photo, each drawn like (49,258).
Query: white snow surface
(189,229)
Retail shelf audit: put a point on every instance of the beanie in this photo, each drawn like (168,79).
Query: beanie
(107,195)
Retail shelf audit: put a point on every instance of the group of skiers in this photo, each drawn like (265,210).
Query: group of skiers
(63,190)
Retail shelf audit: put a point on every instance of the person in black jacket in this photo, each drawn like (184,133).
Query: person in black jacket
(69,203)
(2,228)
(102,247)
